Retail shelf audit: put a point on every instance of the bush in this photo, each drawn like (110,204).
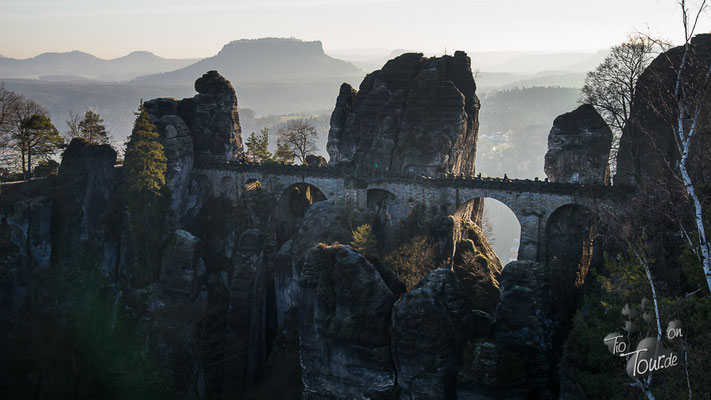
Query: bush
(364,240)
(413,260)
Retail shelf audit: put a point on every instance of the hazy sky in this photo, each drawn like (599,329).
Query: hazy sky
(187,29)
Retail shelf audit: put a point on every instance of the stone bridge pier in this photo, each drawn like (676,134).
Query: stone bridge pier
(532,201)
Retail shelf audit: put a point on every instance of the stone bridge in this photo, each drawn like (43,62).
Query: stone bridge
(532,201)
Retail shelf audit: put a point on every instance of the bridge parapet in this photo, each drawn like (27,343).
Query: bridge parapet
(363,178)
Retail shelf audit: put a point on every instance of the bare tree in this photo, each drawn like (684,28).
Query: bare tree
(73,120)
(611,87)
(299,136)
(25,131)
(8,102)
(487,225)
(15,111)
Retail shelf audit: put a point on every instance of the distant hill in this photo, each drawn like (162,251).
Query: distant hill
(76,65)
(115,102)
(274,60)
(551,79)
(537,62)
(511,62)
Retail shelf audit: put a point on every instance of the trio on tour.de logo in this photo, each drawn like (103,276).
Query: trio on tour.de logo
(650,354)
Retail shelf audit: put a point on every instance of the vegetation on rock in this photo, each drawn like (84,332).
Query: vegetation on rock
(91,128)
(144,161)
(364,240)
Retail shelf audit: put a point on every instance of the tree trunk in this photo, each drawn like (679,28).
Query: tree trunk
(698,217)
(24,171)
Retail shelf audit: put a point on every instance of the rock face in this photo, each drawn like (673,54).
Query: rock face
(247,319)
(181,303)
(25,246)
(87,177)
(205,126)
(649,144)
(570,253)
(579,148)
(430,325)
(213,117)
(416,114)
(476,265)
(85,192)
(344,319)
(323,222)
(524,322)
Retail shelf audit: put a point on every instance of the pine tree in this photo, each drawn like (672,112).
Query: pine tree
(36,137)
(92,128)
(257,146)
(364,240)
(145,163)
(283,153)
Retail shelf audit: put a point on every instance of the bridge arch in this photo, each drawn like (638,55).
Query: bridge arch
(298,197)
(293,203)
(499,223)
(386,202)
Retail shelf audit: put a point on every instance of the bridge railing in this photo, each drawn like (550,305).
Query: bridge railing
(444,180)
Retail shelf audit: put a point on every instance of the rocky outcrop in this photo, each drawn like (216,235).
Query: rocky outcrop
(464,246)
(84,196)
(416,114)
(313,160)
(579,148)
(324,222)
(205,126)
(179,151)
(479,270)
(87,180)
(344,320)
(430,325)
(649,144)
(213,117)
(524,320)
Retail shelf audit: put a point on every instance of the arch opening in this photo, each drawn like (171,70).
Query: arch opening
(295,200)
(385,202)
(498,223)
